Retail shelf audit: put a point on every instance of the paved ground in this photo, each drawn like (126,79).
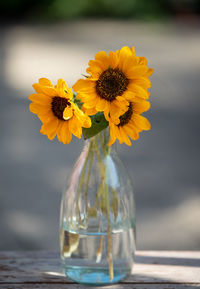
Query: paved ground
(163,164)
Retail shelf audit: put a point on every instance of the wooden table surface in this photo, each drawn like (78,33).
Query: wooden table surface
(152,270)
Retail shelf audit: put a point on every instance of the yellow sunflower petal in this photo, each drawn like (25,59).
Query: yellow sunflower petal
(131,131)
(84,119)
(94,75)
(79,113)
(138,90)
(114,109)
(140,107)
(40,98)
(124,52)
(42,131)
(63,90)
(116,112)
(51,125)
(69,93)
(133,50)
(142,81)
(141,122)
(117,133)
(129,95)
(45,116)
(90,111)
(61,83)
(142,60)
(49,90)
(106,111)
(87,96)
(87,122)
(64,132)
(44,89)
(126,59)
(83,85)
(120,138)
(149,72)
(136,71)
(37,87)
(67,113)
(113,59)
(100,105)
(103,58)
(59,128)
(37,108)
(75,127)
(121,103)
(112,136)
(67,132)
(124,137)
(91,104)
(51,135)
(95,67)
(45,82)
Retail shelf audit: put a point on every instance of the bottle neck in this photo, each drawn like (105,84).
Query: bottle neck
(101,141)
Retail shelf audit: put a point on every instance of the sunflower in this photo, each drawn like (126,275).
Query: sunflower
(131,123)
(113,81)
(59,114)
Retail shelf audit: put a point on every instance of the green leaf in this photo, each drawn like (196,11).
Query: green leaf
(98,124)
(77,101)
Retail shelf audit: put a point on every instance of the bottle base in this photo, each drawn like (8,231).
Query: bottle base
(94,276)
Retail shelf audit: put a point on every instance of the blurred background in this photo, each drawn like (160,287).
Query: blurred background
(56,39)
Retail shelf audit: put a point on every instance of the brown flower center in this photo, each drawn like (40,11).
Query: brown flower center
(125,118)
(58,105)
(111,83)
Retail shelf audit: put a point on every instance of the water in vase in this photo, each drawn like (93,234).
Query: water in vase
(85,254)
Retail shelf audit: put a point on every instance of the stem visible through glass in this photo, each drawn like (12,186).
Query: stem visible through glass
(105,187)
(102,195)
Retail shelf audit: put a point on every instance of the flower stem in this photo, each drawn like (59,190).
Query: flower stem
(81,182)
(88,177)
(110,261)
(99,250)
(103,172)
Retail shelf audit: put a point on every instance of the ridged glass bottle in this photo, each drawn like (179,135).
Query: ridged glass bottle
(97,224)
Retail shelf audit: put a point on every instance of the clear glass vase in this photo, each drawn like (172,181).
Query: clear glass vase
(97,225)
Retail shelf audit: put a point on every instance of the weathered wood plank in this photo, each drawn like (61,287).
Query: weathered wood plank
(156,267)
(166,266)
(116,286)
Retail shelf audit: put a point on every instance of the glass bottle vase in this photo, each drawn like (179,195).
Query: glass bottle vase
(97,224)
